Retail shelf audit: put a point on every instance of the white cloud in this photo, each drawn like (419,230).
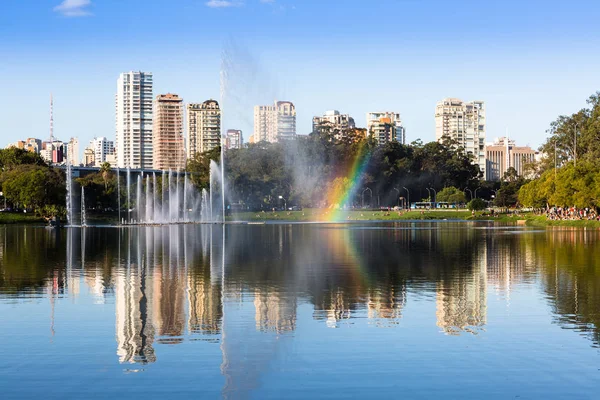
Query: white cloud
(223,3)
(74,8)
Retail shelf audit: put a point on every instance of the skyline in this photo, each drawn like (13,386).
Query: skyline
(526,74)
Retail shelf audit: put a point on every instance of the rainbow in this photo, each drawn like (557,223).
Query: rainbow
(344,189)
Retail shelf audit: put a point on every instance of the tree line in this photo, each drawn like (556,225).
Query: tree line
(569,174)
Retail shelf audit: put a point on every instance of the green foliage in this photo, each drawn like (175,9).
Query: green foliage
(199,167)
(12,157)
(34,187)
(318,170)
(476,204)
(451,195)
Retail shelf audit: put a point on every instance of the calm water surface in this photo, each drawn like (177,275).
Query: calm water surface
(405,310)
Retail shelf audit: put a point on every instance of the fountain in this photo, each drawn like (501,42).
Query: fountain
(170,200)
(83,217)
(69,194)
(118,196)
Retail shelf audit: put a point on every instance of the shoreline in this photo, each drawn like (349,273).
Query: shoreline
(353,216)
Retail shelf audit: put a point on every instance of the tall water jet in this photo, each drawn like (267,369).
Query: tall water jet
(69,195)
(128,194)
(177,199)
(138,199)
(204,207)
(164,205)
(185,198)
(83,217)
(216,189)
(156,205)
(149,201)
(118,197)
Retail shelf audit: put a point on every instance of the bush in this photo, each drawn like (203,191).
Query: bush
(476,204)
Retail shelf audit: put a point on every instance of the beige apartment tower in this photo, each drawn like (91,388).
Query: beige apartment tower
(203,127)
(465,123)
(275,123)
(503,154)
(167,136)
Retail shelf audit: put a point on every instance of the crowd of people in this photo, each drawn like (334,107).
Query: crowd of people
(571,214)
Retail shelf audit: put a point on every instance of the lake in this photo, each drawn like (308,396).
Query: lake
(387,311)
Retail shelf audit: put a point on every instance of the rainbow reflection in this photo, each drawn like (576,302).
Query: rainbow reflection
(344,189)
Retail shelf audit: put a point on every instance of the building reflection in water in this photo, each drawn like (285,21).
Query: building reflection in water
(176,283)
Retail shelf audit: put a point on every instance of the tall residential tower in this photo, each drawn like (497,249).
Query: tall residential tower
(134,120)
(465,123)
(275,123)
(386,127)
(203,127)
(167,139)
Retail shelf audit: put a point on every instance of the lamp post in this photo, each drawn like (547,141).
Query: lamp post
(434,196)
(408,196)
(284,202)
(398,195)
(428,194)
(476,191)
(470,192)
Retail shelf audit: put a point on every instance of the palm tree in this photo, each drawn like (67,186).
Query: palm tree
(105,170)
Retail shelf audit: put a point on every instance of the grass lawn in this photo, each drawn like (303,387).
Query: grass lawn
(19,218)
(316,214)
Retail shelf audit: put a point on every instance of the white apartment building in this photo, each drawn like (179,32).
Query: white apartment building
(73,152)
(386,126)
(103,148)
(274,123)
(233,139)
(465,123)
(134,117)
(203,127)
(336,122)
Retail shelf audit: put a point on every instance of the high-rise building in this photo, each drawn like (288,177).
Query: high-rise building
(503,154)
(30,144)
(275,123)
(233,139)
(169,150)
(89,157)
(285,122)
(204,127)
(264,124)
(464,123)
(134,120)
(386,127)
(334,122)
(103,149)
(73,151)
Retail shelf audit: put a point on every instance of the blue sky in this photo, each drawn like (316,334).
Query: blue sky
(529,60)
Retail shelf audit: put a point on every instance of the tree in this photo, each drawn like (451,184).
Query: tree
(451,195)
(476,204)
(34,187)
(199,167)
(105,171)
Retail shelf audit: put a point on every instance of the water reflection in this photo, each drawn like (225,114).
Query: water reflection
(244,286)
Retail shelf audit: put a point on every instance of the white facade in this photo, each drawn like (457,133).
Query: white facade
(377,123)
(73,152)
(274,123)
(134,116)
(102,149)
(465,123)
